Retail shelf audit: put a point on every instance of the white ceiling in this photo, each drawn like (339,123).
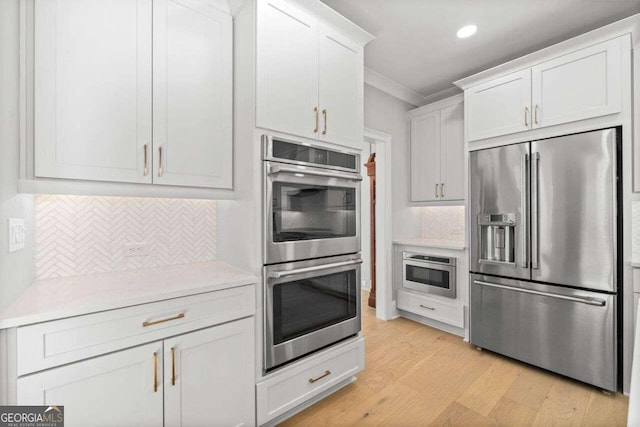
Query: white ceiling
(416,42)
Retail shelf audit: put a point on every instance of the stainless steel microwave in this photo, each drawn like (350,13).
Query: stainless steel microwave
(429,274)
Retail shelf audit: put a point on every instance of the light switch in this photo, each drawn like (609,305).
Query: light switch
(17,234)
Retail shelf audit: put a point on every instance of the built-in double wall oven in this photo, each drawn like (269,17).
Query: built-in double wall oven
(311,248)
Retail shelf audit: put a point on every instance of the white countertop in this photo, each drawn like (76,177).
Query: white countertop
(72,296)
(440,244)
(634,393)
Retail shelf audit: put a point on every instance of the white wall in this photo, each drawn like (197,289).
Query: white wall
(17,269)
(385,113)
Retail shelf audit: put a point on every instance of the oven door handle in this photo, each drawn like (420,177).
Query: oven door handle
(275,169)
(279,274)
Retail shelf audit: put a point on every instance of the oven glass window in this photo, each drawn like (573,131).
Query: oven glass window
(303,153)
(307,305)
(305,212)
(427,276)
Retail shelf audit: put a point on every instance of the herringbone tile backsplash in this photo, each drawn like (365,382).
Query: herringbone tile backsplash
(443,223)
(79,235)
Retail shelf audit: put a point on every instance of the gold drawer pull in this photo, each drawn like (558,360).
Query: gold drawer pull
(145,170)
(324,113)
(315,111)
(428,308)
(326,374)
(155,322)
(155,372)
(173,366)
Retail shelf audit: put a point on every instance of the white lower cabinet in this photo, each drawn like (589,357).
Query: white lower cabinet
(112,390)
(287,389)
(197,370)
(450,312)
(207,376)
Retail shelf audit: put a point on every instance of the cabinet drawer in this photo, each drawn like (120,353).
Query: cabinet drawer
(451,313)
(286,389)
(49,344)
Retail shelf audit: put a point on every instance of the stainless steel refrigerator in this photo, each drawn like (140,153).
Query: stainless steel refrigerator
(544,254)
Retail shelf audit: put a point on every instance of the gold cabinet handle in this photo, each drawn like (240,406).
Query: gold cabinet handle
(155,372)
(145,170)
(428,308)
(155,322)
(535,114)
(442,190)
(315,111)
(160,168)
(436,191)
(526,116)
(173,366)
(324,113)
(326,374)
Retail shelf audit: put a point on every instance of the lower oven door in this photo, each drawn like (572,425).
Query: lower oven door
(310,305)
(310,213)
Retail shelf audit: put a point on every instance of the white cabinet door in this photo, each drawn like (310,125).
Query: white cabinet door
(581,85)
(209,376)
(112,390)
(499,107)
(452,152)
(287,69)
(192,94)
(425,157)
(341,88)
(92,89)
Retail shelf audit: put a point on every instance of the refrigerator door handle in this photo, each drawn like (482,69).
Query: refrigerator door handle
(584,300)
(525,210)
(535,160)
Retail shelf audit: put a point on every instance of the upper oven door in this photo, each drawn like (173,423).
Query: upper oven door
(310,212)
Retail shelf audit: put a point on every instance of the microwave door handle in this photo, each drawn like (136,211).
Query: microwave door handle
(275,169)
(279,274)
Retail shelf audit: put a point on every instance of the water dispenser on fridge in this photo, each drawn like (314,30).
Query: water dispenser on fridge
(497,238)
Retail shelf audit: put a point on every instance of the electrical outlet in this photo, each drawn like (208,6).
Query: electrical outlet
(17,234)
(135,249)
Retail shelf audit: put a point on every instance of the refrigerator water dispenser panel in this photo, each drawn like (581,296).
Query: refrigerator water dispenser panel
(497,238)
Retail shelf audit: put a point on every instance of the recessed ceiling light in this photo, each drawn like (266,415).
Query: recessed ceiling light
(466,31)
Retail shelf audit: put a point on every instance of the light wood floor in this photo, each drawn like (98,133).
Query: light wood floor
(416,375)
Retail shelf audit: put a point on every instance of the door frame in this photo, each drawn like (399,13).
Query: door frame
(379,143)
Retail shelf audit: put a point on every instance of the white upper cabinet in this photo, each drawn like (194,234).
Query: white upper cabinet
(341,87)
(287,69)
(425,157)
(192,94)
(92,90)
(437,152)
(500,106)
(309,75)
(581,85)
(133,91)
(452,152)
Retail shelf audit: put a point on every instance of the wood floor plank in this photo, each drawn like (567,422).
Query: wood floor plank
(417,376)
(459,415)
(487,390)
(509,413)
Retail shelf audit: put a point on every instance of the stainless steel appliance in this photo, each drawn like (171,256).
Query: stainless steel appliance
(429,274)
(310,305)
(312,201)
(544,253)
